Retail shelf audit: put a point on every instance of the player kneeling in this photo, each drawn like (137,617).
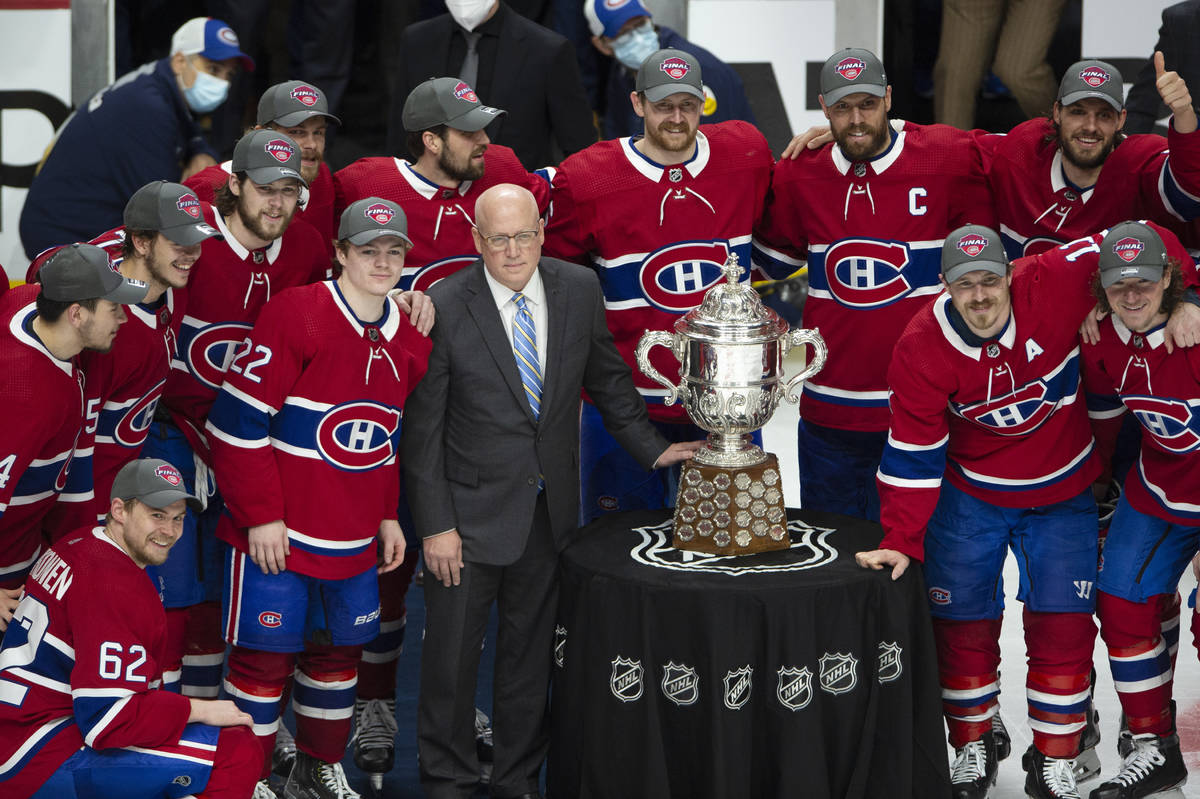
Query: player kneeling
(81,710)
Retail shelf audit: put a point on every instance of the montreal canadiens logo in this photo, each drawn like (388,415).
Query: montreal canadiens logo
(210,351)
(358,436)
(170,474)
(613,5)
(189,205)
(972,245)
(464,92)
(131,429)
(677,277)
(867,273)
(850,68)
(676,68)
(280,150)
(1017,413)
(1173,423)
(939,596)
(305,94)
(269,618)
(1094,77)
(1128,248)
(380,213)
(227,35)
(430,274)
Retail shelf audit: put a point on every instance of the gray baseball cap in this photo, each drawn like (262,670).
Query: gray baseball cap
(289,103)
(172,210)
(447,101)
(970,248)
(80,272)
(668,72)
(368,219)
(152,482)
(1092,78)
(852,70)
(267,156)
(1131,249)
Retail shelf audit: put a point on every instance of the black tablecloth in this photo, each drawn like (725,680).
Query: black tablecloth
(782,674)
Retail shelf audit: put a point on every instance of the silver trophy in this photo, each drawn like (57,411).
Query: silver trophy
(731,352)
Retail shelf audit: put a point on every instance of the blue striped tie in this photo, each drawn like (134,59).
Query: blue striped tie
(525,349)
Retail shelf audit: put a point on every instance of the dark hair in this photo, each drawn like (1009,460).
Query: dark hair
(1172,294)
(128,250)
(129,503)
(416,139)
(224,199)
(50,311)
(1054,137)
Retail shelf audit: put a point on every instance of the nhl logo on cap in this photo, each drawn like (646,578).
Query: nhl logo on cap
(676,68)
(463,92)
(280,150)
(850,68)
(227,35)
(1128,248)
(189,205)
(170,474)
(972,244)
(305,94)
(1094,77)
(380,213)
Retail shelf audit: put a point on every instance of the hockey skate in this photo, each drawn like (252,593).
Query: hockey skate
(1154,766)
(283,757)
(316,779)
(973,771)
(1125,736)
(483,746)
(374,738)
(1050,777)
(1003,739)
(262,790)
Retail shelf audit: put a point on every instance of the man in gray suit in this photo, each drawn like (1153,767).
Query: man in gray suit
(491,454)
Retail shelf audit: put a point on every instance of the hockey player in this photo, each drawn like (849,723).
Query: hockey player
(83,713)
(304,437)
(656,216)
(453,163)
(300,111)
(869,215)
(77,307)
(1156,529)
(985,389)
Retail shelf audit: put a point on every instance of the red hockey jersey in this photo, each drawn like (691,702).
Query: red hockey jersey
(81,664)
(439,218)
(228,287)
(307,426)
(658,235)
(871,232)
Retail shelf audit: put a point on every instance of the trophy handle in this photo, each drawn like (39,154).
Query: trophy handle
(649,340)
(798,338)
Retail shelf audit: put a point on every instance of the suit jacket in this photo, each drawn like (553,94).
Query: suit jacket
(1177,40)
(472,450)
(535,79)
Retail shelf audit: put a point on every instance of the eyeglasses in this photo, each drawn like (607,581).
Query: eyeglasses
(498,242)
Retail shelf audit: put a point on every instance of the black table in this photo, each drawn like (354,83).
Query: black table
(782,674)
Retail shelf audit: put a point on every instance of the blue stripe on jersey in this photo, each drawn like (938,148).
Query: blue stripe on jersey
(913,464)
(820,393)
(1059,707)
(323,695)
(774,263)
(79,476)
(1103,403)
(41,478)
(329,552)
(1176,198)
(90,710)
(234,416)
(870,273)
(1157,494)
(674,278)
(44,735)
(1151,666)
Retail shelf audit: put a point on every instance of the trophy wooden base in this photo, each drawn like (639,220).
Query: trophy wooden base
(731,511)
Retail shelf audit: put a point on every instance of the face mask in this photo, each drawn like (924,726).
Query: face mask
(469,13)
(206,93)
(632,48)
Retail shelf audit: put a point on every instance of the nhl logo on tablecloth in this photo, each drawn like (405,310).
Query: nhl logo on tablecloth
(839,672)
(850,68)
(626,679)
(463,92)
(170,474)
(794,690)
(972,244)
(1128,248)
(1094,77)
(560,645)
(890,666)
(380,213)
(189,205)
(676,68)
(305,94)
(675,174)
(680,683)
(738,683)
(280,150)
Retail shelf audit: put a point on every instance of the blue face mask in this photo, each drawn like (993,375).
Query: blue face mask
(206,93)
(632,48)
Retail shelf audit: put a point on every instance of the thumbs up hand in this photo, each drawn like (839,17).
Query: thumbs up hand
(1174,92)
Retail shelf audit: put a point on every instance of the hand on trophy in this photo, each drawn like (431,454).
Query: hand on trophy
(678,452)
(878,558)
